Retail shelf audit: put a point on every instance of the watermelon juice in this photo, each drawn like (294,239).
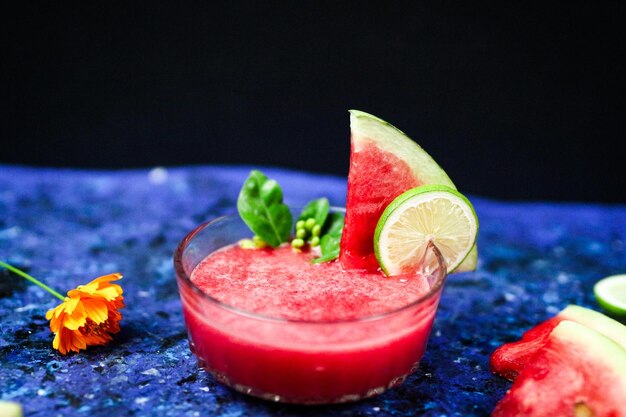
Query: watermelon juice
(271,324)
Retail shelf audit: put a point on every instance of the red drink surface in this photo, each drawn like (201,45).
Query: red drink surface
(298,337)
(286,284)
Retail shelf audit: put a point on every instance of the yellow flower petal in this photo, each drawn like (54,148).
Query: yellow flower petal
(99,288)
(70,304)
(88,316)
(96,310)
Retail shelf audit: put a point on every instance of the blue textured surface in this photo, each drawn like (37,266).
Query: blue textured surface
(67,227)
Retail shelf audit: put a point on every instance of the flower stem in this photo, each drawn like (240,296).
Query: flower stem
(32,279)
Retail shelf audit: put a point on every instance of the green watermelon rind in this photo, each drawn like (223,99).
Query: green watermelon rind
(597,321)
(538,391)
(391,139)
(367,127)
(597,345)
(509,359)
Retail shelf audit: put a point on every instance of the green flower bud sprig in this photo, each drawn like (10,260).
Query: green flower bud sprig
(307,231)
(260,205)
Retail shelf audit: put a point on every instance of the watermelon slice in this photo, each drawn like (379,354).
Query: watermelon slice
(384,163)
(509,359)
(578,372)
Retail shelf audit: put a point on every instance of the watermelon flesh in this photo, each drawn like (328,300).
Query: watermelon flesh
(577,372)
(384,163)
(509,359)
(375,178)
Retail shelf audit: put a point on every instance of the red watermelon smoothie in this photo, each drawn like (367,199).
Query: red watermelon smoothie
(269,323)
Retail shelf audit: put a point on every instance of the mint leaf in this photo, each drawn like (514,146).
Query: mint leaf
(329,243)
(334,225)
(330,249)
(317,210)
(260,205)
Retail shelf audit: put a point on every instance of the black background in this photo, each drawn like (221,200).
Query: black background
(517,101)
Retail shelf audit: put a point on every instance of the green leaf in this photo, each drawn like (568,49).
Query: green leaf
(317,210)
(330,249)
(334,224)
(260,205)
(329,243)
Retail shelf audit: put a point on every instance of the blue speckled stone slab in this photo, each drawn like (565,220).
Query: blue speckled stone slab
(68,226)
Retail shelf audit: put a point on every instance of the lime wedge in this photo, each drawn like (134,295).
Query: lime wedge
(429,213)
(611,294)
(10,409)
(470,262)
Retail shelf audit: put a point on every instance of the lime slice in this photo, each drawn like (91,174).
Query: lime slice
(429,213)
(470,262)
(611,294)
(10,409)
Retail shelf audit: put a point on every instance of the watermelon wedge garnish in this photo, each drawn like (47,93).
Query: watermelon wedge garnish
(578,372)
(384,163)
(509,359)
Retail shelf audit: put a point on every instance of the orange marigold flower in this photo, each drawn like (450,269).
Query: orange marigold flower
(88,316)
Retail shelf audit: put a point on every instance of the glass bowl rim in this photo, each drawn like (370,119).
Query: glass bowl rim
(186,279)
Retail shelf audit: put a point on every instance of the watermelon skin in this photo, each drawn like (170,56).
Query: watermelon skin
(384,163)
(578,372)
(509,359)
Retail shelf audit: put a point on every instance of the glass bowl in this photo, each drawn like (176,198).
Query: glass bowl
(299,361)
